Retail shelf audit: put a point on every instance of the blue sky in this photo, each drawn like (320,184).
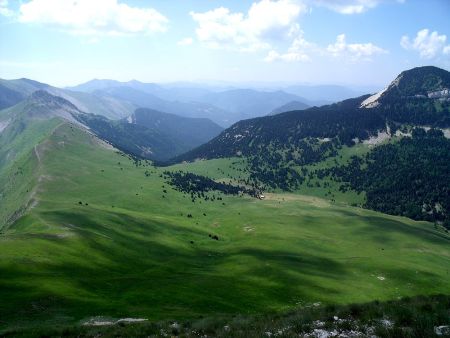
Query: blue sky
(351,42)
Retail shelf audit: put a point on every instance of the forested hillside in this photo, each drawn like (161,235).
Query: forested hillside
(190,131)
(277,148)
(409,177)
(151,134)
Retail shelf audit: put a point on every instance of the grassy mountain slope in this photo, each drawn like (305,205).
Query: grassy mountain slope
(24,126)
(108,236)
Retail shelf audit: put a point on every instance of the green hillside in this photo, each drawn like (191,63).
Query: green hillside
(152,134)
(24,126)
(300,151)
(108,236)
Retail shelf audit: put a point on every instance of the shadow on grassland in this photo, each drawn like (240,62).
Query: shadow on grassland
(382,227)
(120,266)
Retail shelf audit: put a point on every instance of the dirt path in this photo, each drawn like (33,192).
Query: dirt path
(37,154)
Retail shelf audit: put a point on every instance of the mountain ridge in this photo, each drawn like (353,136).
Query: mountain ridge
(344,121)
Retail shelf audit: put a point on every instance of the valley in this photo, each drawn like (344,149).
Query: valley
(158,217)
(107,236)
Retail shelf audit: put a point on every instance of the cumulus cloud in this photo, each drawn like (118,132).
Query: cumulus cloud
(302,50)
(265,21)
(351,6)
(298,51)
(93,18)
(185,42)
(429,45)
(354,51)
(4,10)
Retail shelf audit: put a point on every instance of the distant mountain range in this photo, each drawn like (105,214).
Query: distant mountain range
(116,100)
(323,94)
(142,99)
(248,103)
(419,97)
(14,91)
(224,106)
(146,133)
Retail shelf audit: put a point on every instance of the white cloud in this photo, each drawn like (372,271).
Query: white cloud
(351,6)
(298,51)
(303,50)
(354,51)
(288,57)
(4,10)
(429,45)
(185,42)
(265,21)
(93,18)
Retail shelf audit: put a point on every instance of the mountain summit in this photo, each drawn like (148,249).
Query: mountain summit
(419,83)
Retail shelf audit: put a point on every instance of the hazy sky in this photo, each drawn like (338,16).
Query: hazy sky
(359,42)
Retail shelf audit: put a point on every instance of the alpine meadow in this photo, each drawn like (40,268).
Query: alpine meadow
(257,168)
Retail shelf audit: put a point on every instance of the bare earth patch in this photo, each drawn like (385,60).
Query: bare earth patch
(316,201)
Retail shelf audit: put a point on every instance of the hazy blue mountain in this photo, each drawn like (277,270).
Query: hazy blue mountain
(14,91)
(95,84)
(186,109)
(105,105)
(24,86)
(222,106)
(323,93)
(249,103)
(9,97)
(290,106)
(178,93)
